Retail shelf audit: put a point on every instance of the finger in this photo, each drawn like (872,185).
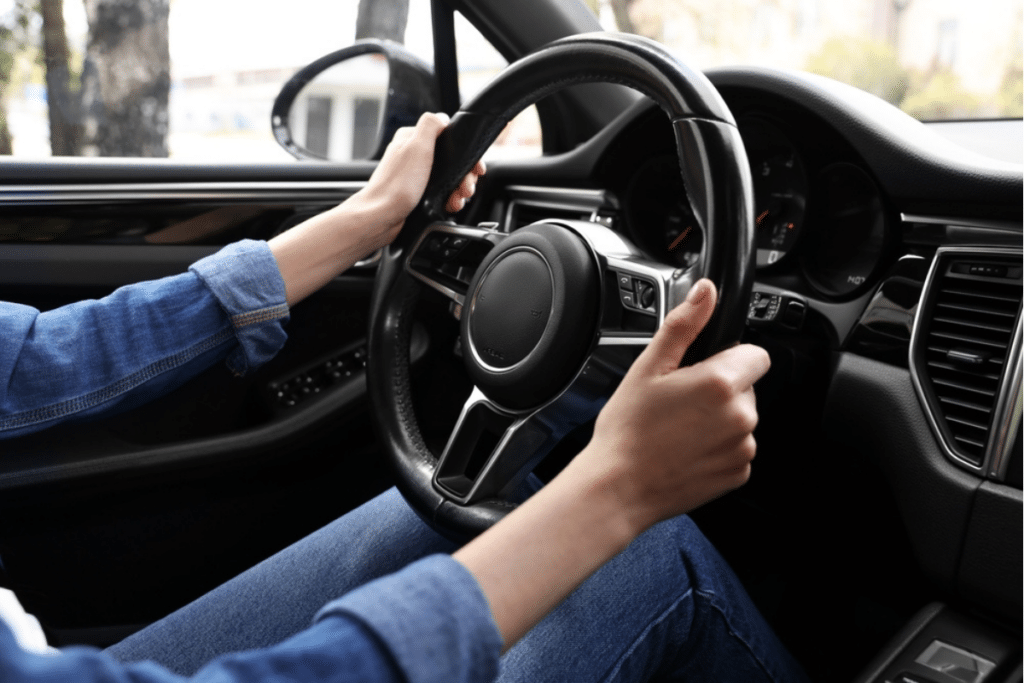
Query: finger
(480,168)
(681,327)
(432,124)
(464,192)
(455,203)
(738,367)
(403,134)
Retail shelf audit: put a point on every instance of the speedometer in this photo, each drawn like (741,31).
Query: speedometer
(843,254)
(780,189)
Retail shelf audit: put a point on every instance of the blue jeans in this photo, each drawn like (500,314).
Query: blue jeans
(667,608)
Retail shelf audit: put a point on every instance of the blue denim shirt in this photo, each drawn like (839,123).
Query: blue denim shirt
(429,623)
(97,357)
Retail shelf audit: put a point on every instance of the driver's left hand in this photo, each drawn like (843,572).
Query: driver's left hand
(398,183)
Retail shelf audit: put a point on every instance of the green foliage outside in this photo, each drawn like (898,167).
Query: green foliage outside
(929,95)
(867,64)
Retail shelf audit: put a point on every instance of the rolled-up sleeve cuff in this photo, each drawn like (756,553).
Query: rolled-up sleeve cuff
(432,617)
(246,281)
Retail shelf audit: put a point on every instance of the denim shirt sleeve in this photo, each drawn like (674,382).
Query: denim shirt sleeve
(428,623)
(433,619)
(96,357)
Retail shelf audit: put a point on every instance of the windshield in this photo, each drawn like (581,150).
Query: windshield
(935,59)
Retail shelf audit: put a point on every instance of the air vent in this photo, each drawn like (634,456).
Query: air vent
(524,213)
(967,322)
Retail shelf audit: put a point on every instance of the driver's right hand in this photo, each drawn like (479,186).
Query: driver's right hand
(675,438)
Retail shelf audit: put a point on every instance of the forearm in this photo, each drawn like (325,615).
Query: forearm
(311,254)
(314,252)
(535,557)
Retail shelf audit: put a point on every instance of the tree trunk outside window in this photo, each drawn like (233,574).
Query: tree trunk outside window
(61,98)
(126,78)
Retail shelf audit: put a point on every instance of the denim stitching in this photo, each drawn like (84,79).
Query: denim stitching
(121,387)
(261,316)
(709,597)
(646,632)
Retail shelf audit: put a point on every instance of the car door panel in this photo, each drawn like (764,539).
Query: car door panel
(163,501)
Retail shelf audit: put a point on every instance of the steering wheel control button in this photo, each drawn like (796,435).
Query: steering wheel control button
(775,309)
(645,295)
(763,307)
(636,294)
(511,307)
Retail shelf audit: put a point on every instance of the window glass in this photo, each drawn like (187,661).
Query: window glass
(220,64)
(935,59)
(479,63)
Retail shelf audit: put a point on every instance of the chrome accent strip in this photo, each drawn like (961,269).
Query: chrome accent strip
(370,261)
(619,340)
(45,194)
(548,193)
(983,223)
(1007,413)
(915,374)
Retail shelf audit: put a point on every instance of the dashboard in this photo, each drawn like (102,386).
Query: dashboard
(886,252)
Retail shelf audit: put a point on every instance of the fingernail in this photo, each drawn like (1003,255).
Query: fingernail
(462,203)
(697,293)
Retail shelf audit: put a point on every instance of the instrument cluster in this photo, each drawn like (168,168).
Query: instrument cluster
(818,216)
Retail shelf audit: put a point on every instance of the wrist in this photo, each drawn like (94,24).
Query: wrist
(610,485)
(606,490)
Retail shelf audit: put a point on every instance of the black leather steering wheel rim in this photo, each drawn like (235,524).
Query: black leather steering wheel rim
(716,176)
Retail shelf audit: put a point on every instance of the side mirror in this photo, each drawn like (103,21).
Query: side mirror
(348,105)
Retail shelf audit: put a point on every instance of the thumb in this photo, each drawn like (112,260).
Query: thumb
(681,327)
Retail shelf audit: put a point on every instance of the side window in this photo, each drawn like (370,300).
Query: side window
(192,80)
(479,63)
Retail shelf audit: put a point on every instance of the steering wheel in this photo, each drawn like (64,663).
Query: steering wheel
(553,314)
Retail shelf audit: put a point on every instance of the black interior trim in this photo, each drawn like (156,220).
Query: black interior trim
(872,410)
(58,265)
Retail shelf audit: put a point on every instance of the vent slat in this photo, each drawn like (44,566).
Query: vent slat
(964,387)
(977,309)
(982,295)
(965,404)
(969,340)
(978,326)
(953,368)
(967,423)
(970,442)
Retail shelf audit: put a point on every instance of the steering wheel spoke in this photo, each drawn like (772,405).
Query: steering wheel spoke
(491,450)
(446,256)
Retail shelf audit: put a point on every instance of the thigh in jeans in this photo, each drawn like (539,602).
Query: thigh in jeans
(280,596)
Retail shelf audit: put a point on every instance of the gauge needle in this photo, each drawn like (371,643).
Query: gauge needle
(761,217)
(677,241)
